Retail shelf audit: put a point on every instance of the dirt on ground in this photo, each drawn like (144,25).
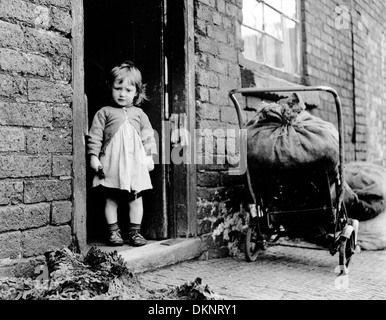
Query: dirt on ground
(94,276)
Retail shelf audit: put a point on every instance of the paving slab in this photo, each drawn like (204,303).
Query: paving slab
(157,254)
(280,273)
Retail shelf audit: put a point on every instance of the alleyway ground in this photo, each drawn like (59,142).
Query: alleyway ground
(281,273)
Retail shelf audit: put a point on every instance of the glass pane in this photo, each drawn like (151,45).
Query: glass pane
(253,44)
(291,54)
(290,8)
(272,23)
(253,14)
(275,3)
(273,52)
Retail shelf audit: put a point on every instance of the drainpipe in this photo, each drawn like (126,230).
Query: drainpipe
(354,133)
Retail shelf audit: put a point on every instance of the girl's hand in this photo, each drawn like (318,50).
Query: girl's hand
(150,163)
(95,164)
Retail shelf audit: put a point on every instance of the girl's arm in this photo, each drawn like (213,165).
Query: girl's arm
(95,139)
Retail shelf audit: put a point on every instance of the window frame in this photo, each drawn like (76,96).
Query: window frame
(298,20)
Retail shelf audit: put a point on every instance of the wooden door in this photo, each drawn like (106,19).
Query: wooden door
(130,30)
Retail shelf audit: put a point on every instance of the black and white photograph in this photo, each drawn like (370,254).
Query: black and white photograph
(189,157)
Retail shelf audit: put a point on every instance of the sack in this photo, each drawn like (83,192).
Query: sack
(284,135)
(368,181)
(372,233)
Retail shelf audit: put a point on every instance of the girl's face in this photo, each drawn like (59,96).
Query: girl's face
(123,93)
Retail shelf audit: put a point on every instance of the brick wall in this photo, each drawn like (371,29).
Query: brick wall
(217,72)
(35,127)
(353,65)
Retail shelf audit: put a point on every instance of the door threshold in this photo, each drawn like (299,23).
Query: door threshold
(156,254)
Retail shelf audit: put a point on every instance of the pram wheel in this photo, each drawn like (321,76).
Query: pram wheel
(346,253)
(253,245)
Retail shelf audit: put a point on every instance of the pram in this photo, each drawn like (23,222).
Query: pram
(298,203)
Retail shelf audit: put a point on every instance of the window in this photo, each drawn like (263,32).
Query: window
(271,33)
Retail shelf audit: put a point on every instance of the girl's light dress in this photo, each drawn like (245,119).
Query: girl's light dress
(124,161)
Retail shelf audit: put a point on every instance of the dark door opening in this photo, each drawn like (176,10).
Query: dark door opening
(128,30)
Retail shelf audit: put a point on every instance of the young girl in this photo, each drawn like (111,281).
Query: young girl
(121,145)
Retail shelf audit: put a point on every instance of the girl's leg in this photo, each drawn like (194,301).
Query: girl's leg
(136,214)
(111,211)
(136,211)
(111,214)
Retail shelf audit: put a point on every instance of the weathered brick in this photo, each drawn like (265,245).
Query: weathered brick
(11,35)
(217,19)
(228,24)
(217,65)
(14,166)
(62,116)
(39,241)
(11,192)
(61,166)
(23,11)
(11,218)
(206,45)
(39,90)
(202,94)
(10,245)
(15,61)
(65,4)
(47,42)
(37,215)
(44,141)
(227,52)
(61,20)
(210,3)
(11,86)
(203,12)
(221,6)
(208,179)
(239,3)
(62,70)
(201,26)
(218,97)
(229,115)
(208,111)
(207,78)
(61,212)
(231,9)
(234,71)
(218,34)
(210,194)
(47,190)
(27,115)
(12,139)
(23,217)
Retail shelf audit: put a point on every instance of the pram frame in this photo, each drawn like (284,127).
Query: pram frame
(342,240)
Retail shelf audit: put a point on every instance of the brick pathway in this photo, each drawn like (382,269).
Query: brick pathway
(281,273)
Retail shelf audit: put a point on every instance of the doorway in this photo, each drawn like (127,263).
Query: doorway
(128,30)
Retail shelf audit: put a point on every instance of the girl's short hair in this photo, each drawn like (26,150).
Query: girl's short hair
(127,69)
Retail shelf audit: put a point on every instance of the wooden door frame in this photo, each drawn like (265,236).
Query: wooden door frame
(79,111)
(183,204)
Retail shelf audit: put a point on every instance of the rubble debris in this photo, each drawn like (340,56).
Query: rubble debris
(95,276)
(195,290)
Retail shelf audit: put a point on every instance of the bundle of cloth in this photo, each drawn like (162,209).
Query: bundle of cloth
(284,135)
(365,200)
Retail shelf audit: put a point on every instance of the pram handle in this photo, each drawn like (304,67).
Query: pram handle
(246,91)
